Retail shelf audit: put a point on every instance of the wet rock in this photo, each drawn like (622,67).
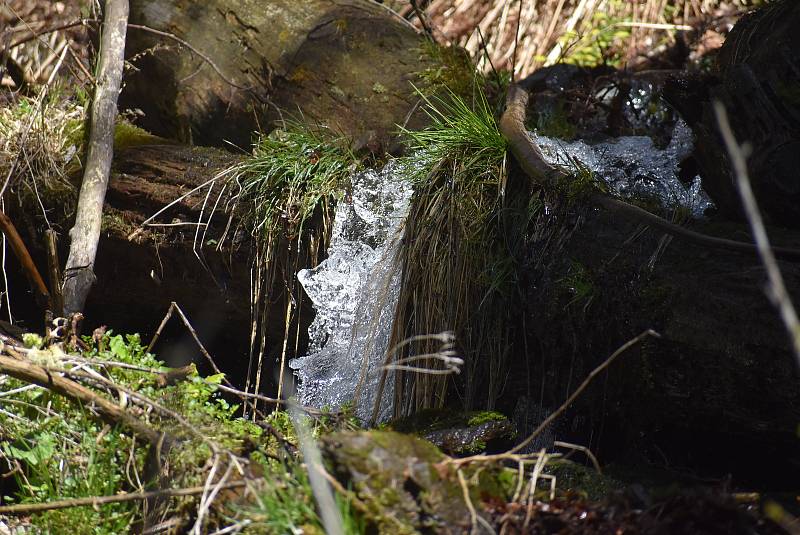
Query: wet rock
(461,433)
(344,63)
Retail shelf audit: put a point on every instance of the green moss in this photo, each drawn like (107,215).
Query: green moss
(481,417)
(429,420)
(579,283)
(573,477)
(555,122)
(451,69)
(128,135)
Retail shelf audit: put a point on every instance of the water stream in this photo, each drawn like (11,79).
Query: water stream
(355,290)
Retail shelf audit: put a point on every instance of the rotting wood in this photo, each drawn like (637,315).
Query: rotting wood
(79,273)
(529,156)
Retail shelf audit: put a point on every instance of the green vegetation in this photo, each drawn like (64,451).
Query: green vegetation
(459,267)
(293,173)
(599,42)
(56,449)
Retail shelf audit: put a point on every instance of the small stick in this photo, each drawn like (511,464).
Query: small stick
(94,501)
(193,49)
(173,306)
(777,289)
(110,412)
(24,257)
(421,16)
(583,449)
(54,272)
(65,26)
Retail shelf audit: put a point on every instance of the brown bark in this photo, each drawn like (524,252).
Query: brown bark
(25,260)
(85,235)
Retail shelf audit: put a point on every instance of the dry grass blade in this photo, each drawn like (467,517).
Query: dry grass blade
(451,279)
(587,32)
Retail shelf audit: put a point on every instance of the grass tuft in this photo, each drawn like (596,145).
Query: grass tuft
(459,264)
(293,172)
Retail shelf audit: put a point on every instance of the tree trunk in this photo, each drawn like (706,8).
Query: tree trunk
(79,273)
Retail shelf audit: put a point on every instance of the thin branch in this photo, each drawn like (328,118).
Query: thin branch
(109,412)
(24,257)
(34,35)
(79,274)
(777,289)
(94,501)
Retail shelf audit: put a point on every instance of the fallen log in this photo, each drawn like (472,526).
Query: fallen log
(218,71)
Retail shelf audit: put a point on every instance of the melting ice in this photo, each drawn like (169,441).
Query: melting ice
(354,292)
(633,166)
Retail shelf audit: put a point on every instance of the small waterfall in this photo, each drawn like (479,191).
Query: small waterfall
(354,292)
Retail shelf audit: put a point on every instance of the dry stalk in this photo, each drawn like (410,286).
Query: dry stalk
(777,288)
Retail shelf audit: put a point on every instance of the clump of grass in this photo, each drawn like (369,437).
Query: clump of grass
(294,171)
(41,143)
(459,133)
(459,267)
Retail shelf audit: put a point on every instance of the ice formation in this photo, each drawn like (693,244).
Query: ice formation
(633,166)
(354,292)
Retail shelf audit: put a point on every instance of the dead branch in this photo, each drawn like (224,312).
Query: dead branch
(94,501)
(182,42)
(34,34)
(24,257)
(85,235)
(529,156)
(109,412)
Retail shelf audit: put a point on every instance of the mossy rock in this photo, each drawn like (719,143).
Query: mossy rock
(460,433)
(406,482)
(576,478)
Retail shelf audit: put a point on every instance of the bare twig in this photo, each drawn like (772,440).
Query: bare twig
(422,19)
(174,307)
(182,42)
(110,412)
(777,289)
(36,34)
(94,501)
(583,449)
